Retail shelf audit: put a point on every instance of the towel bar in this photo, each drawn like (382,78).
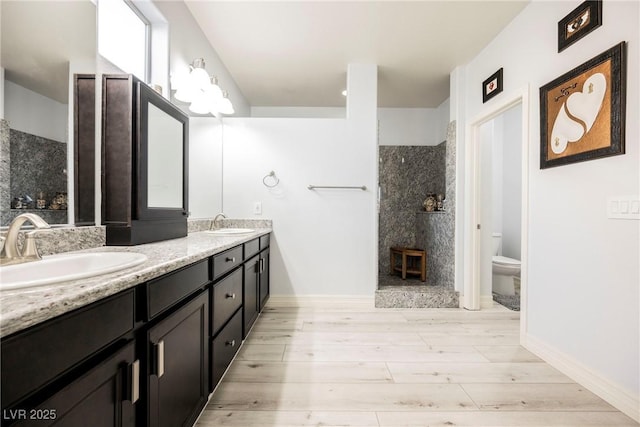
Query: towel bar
(340,187)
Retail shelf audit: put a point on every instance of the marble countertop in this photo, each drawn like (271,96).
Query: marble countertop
(22,308)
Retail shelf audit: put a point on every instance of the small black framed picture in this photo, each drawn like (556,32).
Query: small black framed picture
(492,86)
(579,22)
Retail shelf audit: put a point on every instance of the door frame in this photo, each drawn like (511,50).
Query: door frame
(473,201)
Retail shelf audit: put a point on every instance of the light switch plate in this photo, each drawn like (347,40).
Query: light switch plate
(623,207)
(257,208)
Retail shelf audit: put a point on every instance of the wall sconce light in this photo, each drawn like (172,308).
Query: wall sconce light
(201,91)
(225,106)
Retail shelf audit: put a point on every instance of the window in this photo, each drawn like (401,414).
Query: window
(123,37)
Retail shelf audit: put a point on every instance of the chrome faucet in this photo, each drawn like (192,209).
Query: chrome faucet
(216,219)
(11,254)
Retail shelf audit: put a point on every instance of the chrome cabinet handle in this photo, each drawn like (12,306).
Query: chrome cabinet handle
(261,265)
(231,343)
(231,259)
(135,381)
(232,296)
(160,358)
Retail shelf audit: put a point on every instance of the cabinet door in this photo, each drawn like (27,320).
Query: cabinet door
(179,365)
(250,304)
(68,339)
(104,397)
(264,278)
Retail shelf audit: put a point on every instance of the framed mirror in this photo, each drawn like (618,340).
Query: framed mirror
(163,143)
(44,44)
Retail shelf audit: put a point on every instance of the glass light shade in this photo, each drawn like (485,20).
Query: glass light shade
(225,106)
(179,79)
(214,106)
(214,91)
(200,104)
(199,78)
(186,92)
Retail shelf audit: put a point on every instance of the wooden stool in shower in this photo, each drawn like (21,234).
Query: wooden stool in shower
(413,261)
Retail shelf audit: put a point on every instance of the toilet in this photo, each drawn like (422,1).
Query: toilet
(503,268)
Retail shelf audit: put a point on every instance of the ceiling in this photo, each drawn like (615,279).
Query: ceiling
(295,53)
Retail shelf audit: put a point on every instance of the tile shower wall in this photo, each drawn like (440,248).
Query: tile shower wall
(407,174)
(436,231)
(5,189)
(37,164)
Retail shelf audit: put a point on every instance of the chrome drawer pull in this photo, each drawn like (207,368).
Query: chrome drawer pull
(232,296)
(231,259)
(231,343)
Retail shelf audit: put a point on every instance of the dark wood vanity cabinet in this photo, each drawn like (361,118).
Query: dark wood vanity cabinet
(84,148)
(104,397)
(224,347)
(251,292)
(144,163)
(263,277)
(256,283)
(74,367)
(178,365)
(148,356)
(226,318)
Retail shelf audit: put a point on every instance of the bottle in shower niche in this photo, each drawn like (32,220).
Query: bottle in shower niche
(41,203)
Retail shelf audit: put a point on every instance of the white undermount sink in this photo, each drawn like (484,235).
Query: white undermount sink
(64,267)
(230,231)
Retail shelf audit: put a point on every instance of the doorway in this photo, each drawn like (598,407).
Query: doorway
(500,186)
(478,225)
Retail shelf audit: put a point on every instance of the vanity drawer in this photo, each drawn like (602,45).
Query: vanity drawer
(225,346)
(32,358)
(167,290)
(227,298)
(264,241)
(227,261)
(251,248)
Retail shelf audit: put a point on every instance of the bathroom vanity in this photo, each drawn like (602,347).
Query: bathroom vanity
(142,347)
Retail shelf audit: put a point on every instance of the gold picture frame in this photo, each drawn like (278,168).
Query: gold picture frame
(582,112)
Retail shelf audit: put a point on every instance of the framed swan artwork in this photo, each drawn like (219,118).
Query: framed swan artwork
(582,112)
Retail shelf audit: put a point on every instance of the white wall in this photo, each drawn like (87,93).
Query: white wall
(488,137)
(496,148)
(500,171)
(300,112)
(30,112)
(205,167)
(396,126)
(324,241)
(583,294)
(188,42)
(506,177)
(1,92)
(413,126)
(511,129)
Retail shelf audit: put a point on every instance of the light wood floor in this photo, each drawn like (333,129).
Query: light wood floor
(397,367)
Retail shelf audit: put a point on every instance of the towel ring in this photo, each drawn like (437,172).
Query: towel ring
(275,180)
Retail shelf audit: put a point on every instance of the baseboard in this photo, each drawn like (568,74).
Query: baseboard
(612,393)
(486,301)
(321,301)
